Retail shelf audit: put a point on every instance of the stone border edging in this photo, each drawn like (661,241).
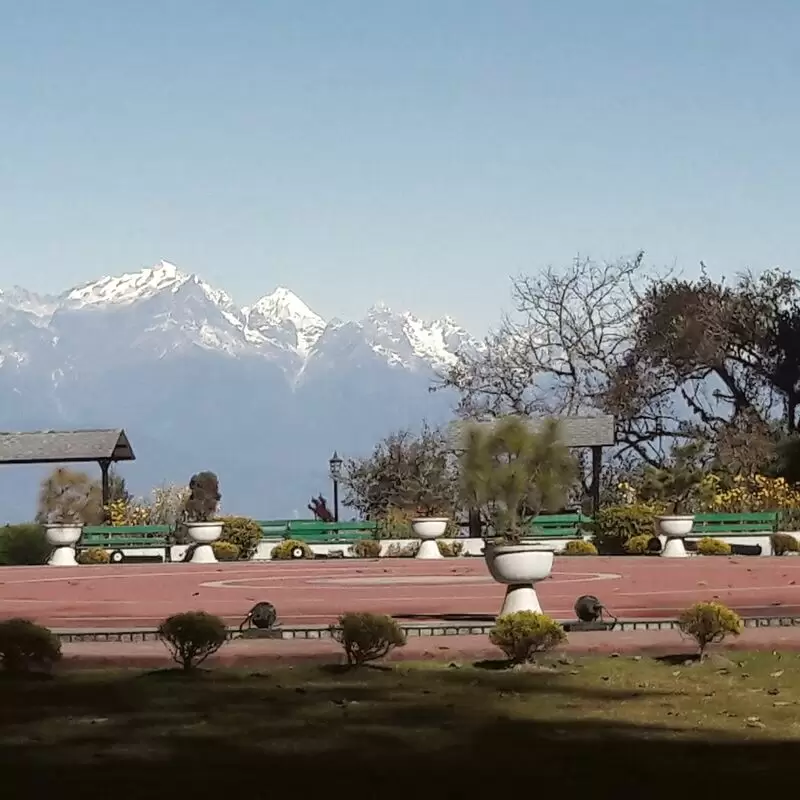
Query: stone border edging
(411,630)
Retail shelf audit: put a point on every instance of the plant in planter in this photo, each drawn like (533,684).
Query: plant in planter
(67,501)
(678,486)
(510,470)
(199,512)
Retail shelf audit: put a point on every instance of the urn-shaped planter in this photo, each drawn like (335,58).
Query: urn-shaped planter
(520,567)
(429,529)
(63,538)
(675,529)
(203,535)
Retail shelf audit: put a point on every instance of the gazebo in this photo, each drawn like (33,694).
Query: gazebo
(105,446)
(592,433)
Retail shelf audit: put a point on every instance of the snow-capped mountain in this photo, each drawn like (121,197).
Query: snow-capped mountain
(167,309)
(265,390)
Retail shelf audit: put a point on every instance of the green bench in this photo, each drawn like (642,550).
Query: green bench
(558,526)
(126,537)
(345,533)
(763,523)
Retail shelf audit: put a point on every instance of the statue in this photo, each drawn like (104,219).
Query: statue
(319,507)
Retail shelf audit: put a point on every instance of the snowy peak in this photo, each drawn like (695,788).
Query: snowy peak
(164,310)
(129,287)
(283,311)
(412,339)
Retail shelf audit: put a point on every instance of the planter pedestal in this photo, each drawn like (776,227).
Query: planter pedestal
(521,597)
(203,534)
(62,538)
(675,529)
(429,529)
(520,567)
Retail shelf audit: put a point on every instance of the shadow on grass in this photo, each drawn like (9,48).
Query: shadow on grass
(438,733)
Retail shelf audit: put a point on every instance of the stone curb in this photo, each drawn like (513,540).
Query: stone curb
(411,630)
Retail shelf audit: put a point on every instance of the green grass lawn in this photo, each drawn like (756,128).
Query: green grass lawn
(597,721)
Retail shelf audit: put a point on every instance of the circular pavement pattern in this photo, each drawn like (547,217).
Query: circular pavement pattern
(317,592)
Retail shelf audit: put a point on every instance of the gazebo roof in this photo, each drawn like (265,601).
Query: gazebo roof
(53,447)
(576,431)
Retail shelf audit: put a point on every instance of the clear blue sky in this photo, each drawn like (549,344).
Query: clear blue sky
(416,152)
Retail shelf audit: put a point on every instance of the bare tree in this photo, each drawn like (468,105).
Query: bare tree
(568,351)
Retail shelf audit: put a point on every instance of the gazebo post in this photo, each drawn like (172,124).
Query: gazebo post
(105,464)
(597,465)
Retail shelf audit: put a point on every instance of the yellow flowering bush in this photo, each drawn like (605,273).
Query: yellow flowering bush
(120,513)
(749,494)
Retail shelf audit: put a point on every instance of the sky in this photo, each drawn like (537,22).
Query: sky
(416,153)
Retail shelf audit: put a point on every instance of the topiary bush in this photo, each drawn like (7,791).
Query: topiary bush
(709,623)
(579,547)
(23,545)
(708,546)
(613,526)
(783,543)
(523,634)
(450,549)
(367,637)
(26,647)
(397,550)
(191,637)
(93,555)
(290,549)
(244,532)
(225,551)
(366,548)
(203,500)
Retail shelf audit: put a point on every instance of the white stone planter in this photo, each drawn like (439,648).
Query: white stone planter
(675,529)
(62,538)
(203,534)
(520,567)
(429,529)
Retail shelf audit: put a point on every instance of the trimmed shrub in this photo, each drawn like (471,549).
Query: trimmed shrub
(579,547)
(192,637)
(523,634)
(450,549)
(638,545)
(291,548)
(367,637)
(708,546)
(244,532)
(23,545)
(27,647)
(395,524)
(93,555)
(366,548)
(613,526)
(398,550)
(783,543)
(225,551)
(709,623)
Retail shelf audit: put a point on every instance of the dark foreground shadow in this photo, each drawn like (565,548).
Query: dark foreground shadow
(366,733)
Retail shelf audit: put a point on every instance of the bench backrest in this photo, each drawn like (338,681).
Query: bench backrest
(320,531)
(124,535)
(557,525)
(755,522)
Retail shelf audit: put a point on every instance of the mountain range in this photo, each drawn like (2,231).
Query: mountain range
(260,394)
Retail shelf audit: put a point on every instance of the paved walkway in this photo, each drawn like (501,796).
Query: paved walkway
(317,592)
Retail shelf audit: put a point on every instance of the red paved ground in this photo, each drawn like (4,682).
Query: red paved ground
(316,592)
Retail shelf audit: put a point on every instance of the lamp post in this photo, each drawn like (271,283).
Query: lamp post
(336,473)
